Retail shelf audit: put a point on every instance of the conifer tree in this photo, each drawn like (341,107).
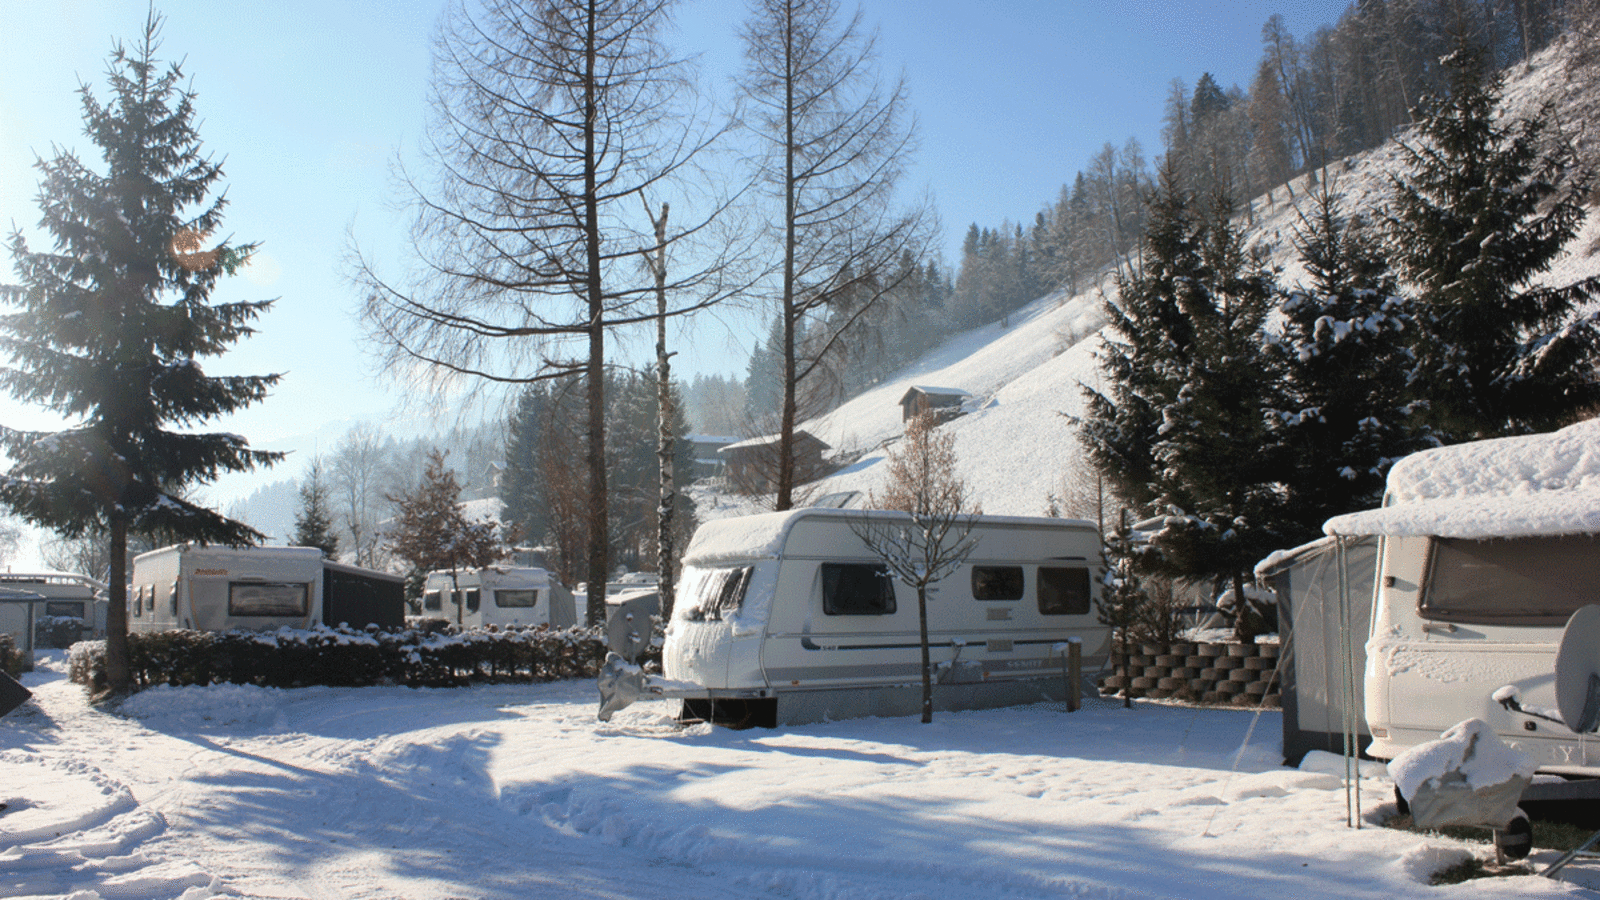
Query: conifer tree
(1487,208)
(1181,429)
(313,522)
(109,327)
(431,532)
(1342,354)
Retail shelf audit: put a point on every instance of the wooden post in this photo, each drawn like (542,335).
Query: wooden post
(1072,672)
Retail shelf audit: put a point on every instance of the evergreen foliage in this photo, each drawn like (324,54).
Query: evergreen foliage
(1182,431)
(110,326)
(1343,357)
(1486,209)
(541,487)
(313,522)
(431,532)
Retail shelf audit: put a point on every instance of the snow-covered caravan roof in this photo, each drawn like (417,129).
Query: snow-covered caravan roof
(1545,484)
(742,537)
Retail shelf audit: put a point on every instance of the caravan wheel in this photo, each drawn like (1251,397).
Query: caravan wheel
(1400,801)
(1515,841)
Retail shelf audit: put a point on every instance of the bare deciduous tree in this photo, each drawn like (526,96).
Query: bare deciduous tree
(555,122)
(355,473)
(935,537)
(834,143)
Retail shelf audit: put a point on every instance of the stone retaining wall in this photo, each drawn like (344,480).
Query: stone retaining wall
(1229,674)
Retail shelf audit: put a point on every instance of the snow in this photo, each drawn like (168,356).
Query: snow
(742,538)
(516,791)
(1471,748)
(1529,485)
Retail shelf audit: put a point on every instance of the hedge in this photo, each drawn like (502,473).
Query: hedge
(12,662)
(346,657)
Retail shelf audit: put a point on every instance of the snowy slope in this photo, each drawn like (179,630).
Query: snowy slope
(511,792)
(1018,451)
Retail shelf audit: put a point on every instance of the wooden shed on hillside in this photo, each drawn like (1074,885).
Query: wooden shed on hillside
(752,465)
(921,398)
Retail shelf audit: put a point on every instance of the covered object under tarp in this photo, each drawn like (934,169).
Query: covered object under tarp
(1315,617)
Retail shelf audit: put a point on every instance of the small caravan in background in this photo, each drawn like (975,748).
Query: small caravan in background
(257,589)
(1485,551)
(785,618)
(498,595)
(73,608)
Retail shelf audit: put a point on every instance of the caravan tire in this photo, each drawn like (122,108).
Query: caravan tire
(1516,839)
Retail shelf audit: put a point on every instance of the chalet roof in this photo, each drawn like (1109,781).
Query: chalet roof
(768,440)
(931,391)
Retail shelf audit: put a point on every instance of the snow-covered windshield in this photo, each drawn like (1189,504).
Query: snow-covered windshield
(711,595)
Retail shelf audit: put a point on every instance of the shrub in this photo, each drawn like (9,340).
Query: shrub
(347,657)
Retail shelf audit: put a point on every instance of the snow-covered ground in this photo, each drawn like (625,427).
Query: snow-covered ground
(517,792)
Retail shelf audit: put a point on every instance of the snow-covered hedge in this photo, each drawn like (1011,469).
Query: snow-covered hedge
(347,657)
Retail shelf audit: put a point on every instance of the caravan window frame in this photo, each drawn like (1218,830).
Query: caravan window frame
(842,598)
(1055,598)
(433,601)
(500,593)
(53,608)
(266,611)
(474,598)
(1466,577)
(993,582)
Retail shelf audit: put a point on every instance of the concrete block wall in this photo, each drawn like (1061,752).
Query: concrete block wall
(1225,674)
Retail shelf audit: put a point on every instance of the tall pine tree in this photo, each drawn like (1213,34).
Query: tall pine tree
(313,523)
(1342,353)
(109,327)
(1180,429)
(1487,208)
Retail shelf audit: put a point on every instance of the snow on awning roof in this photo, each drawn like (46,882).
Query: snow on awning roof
(1536,484)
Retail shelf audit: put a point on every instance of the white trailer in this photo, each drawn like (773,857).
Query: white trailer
(1485,551)
(207,588)
(73,606)
(498,595)
(785,618)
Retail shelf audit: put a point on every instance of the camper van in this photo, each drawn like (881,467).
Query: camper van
(257,589)
(498,595)
(1485,550)
(785,618)
(73,607)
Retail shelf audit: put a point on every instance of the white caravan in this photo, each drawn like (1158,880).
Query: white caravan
(1486,550)
(257,589)
(786,618)
(73,607)
(498,595)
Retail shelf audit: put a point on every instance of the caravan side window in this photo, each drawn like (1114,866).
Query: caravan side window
(997,582)
(720,592)
(136,601)
(262,598)
(1519,581)
(1063,591)
(518,598)
(474,599)
(433,600)
(857,589)
(64,608)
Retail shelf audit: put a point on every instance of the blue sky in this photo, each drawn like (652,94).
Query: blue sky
(309,102)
